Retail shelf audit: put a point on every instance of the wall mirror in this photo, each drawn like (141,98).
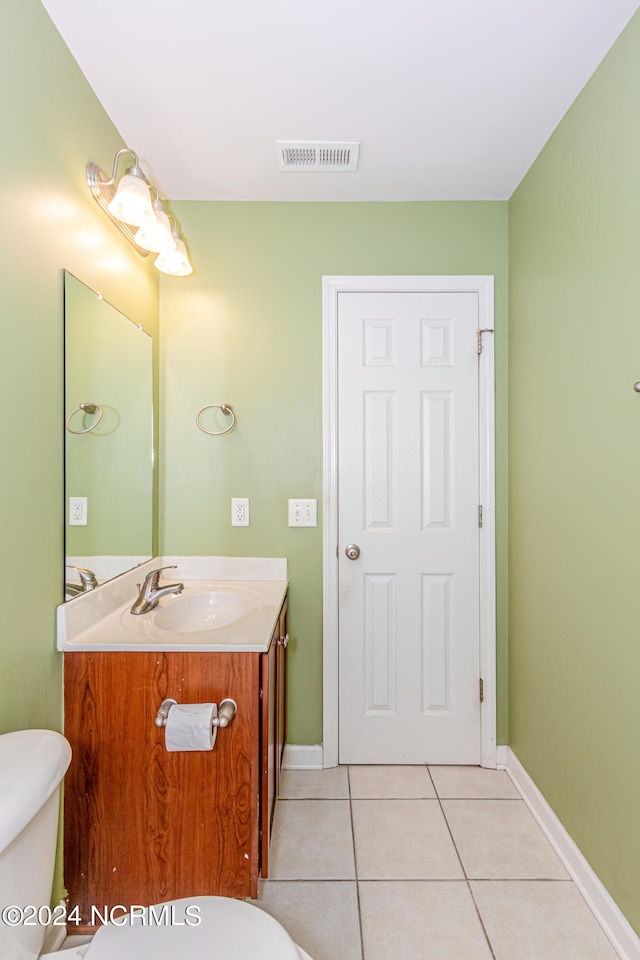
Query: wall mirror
(108,435)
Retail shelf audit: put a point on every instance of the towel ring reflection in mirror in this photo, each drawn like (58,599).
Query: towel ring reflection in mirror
(91,409)
(227,409)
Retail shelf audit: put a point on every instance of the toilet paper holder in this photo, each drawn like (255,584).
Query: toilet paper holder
(225,712)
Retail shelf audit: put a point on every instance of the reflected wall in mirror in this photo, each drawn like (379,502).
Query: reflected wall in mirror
(108,440)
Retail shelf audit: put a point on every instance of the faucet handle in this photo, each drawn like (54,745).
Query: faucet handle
(153,577)
(87,577)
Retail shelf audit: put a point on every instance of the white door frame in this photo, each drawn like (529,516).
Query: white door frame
(331,287)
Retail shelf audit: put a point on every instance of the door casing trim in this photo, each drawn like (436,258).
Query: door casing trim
(331,288)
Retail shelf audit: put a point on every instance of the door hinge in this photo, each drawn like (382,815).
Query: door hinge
(482,691)
(261,693)
(479,335)
(480,515)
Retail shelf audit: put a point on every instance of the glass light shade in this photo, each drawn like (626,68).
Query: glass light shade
(132,202)
(156,236)
(176,264)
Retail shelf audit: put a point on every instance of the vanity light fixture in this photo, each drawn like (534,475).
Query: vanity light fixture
(174,262)
(157,236)
(143,222)
(132,203)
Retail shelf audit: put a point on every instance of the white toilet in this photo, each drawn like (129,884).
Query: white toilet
(32,766)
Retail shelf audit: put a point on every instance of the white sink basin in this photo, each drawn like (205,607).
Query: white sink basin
(198,609)
(223,607)
(209,610)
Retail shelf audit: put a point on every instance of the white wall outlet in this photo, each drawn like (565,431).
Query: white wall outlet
(303,513)
(239,511)
(77,511)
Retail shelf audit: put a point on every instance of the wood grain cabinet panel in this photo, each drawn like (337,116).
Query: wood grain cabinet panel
(273,726)
(280,707)
(142,825)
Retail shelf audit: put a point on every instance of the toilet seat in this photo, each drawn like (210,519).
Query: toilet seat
(228,928)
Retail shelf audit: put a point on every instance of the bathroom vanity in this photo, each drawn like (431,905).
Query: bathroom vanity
(141,824)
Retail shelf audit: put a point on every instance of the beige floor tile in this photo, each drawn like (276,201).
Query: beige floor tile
(420,920)
(500,840)
(312,840)
(332,784)
(473,783)
(390,782)
(320,915)
(529,920)
(403,840)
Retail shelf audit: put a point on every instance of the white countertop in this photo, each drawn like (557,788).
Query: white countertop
(101,620)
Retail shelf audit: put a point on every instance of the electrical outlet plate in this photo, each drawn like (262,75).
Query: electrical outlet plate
(303,513)
(77,511)
(239,511)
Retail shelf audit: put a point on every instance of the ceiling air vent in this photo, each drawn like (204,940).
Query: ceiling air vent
(303,155)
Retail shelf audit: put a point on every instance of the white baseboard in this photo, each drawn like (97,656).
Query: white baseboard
(302,757)
(502,754)
(613,922)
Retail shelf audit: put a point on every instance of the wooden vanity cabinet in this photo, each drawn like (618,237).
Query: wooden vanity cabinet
(142,825)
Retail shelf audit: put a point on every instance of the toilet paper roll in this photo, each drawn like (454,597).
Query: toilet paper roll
(190,726)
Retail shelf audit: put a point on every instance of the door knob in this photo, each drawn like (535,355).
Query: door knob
(352,551)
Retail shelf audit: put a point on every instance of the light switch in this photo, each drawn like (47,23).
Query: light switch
(303,513)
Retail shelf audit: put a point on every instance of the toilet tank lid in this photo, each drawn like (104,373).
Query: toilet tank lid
(32,765)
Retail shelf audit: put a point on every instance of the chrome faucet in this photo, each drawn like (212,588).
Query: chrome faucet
(87,581)
(151,592)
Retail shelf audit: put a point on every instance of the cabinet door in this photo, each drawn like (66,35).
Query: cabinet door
(144,825)
(269,765)
(281,693)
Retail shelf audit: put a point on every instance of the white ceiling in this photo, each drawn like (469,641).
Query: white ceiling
(451,99)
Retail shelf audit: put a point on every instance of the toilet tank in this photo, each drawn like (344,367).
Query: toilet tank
(32,765)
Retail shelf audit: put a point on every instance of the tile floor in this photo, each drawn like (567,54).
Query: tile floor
(420,863)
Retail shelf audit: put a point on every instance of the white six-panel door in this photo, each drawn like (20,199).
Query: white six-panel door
(408,661)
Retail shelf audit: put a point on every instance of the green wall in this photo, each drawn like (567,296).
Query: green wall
(52,124)
(246,329)
(574,441)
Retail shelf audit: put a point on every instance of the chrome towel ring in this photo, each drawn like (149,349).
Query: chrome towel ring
(89,408)
(227,409)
